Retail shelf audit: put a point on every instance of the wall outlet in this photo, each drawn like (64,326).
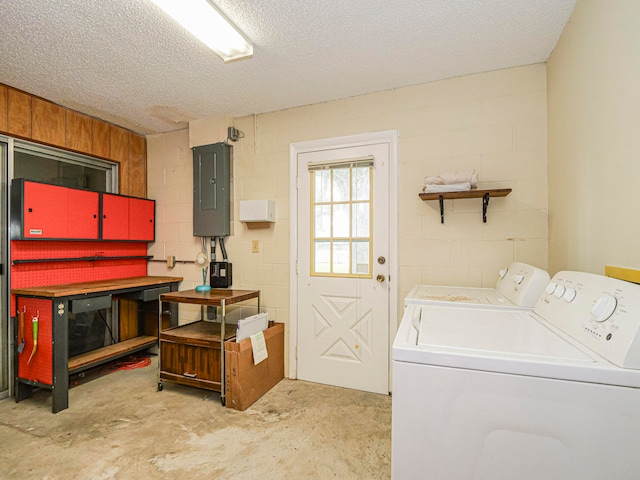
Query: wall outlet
(255,246)
(171,261)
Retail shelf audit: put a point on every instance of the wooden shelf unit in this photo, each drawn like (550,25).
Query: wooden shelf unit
(485,194)
(193,354)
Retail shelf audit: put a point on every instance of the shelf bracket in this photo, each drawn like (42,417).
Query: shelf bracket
(441,209)
(485,204)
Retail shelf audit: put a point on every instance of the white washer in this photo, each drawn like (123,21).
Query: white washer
(518,287)
(552,393)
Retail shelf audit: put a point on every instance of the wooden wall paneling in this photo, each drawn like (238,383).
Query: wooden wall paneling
(119,141)
(47,122)
(3,108)
(137,165)
(100,143)
(78,131)
(18,113)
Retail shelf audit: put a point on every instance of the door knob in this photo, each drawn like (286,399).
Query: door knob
(380,278)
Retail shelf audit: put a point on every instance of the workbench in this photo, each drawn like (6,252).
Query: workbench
(50,366)
(193,354)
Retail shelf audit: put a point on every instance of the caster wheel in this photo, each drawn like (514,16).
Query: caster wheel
(160,386)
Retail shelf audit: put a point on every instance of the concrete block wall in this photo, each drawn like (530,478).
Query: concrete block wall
(495,123)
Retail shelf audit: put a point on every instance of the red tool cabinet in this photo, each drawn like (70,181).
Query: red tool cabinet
(40,211)
(54,212)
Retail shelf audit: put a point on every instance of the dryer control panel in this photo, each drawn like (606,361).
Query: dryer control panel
(522,284)
(600,312)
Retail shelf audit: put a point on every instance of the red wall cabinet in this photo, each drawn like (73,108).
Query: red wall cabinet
(43,211)
(127,218)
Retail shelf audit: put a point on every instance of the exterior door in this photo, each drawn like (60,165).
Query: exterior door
(343,267)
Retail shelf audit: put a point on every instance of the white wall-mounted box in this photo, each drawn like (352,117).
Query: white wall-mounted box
(257,211)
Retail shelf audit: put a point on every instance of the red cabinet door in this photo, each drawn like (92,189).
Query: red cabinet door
(115,217)
(45,212)
(83,208)
(141,219)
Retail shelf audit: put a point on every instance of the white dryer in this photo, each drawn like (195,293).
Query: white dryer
(552,393)
(518,287)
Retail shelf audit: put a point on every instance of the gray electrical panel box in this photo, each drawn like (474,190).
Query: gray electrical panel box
(212,190)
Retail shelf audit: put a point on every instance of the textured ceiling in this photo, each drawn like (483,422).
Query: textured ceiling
(126,62)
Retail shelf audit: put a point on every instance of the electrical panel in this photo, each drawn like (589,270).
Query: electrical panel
(212,190)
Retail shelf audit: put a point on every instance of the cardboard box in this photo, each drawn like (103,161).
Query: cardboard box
(246,382)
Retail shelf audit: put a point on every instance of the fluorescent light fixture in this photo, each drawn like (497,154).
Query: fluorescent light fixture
(203,19)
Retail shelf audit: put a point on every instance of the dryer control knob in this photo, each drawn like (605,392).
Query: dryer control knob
(518,279)
(550,288)
(503,272)
(604,308)
(569,295)
(559,291)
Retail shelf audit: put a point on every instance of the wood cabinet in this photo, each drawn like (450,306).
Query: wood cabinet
(127,218)
(193,354)
(43,211)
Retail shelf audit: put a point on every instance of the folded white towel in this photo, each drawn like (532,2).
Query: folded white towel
(453,178)
(451,187)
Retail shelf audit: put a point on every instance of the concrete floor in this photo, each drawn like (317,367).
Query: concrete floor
(118,426)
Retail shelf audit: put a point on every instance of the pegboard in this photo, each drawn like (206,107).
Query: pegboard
(40,369)
(41,274)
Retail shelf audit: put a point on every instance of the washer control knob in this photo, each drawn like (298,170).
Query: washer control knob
(551,288)
(559,291)
(604,308)
(569,294)
(503,272)
(518,279)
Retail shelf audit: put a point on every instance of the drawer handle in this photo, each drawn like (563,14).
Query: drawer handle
(190,375)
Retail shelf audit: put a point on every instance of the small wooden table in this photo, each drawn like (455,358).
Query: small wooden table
(199,339)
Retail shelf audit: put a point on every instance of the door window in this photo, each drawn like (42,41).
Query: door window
(341,213)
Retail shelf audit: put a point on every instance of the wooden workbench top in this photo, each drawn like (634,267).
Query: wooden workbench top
(83,288)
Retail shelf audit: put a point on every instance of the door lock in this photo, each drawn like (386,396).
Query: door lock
(381,260)
(380,278)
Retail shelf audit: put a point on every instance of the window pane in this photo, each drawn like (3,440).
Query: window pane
(322,257)
(361,257)
(360,220)
(340,257)
(340,184)
(59,171)
(360,183)
(341,220)
(322,221)
(322,186)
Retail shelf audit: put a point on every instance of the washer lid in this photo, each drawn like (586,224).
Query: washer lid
(501,341)
(457,296)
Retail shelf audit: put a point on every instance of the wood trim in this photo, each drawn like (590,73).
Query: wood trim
(47,122)
(628,274)
(137,165)
(78,132)
(18,113)
(100,145)
(3,108)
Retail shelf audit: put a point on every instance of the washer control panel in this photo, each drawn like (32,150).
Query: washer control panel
(602,313)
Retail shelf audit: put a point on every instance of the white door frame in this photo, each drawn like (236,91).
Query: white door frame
(390,137)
